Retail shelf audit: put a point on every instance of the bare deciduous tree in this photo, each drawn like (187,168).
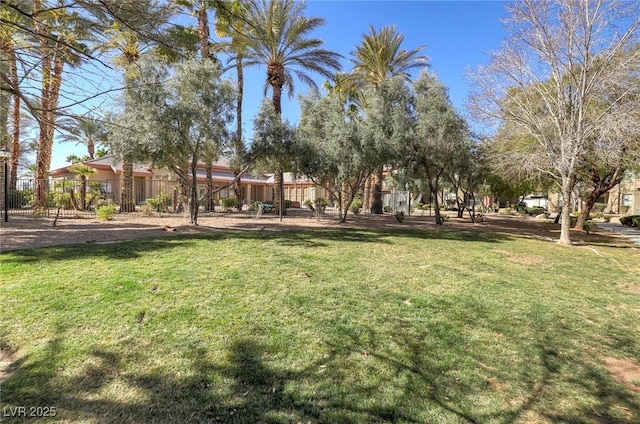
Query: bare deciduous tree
(561,79)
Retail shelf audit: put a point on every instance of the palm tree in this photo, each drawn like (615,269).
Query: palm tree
(58,34)
(126,42)
(83,171)
(379,57)
(129,41)
(232,23)
(88,130)
(348,89)
(279,40)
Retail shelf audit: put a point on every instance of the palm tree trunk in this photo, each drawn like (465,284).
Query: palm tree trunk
(50,93)
(127,203)
(15,145)
(276,79)
(5,100)
(83,192)
(376,206)
(366,198)
(238,145)
(209,205)
(203,31)
(277,191)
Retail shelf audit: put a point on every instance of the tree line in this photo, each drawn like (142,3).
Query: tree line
(560,98)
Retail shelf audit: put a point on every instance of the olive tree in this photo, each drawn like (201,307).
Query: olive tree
(441,135)
(330,149)
(174,117)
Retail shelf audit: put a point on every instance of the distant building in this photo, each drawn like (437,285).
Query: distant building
(150,182)
(625,197)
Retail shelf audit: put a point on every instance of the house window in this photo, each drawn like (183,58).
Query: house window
(627,200)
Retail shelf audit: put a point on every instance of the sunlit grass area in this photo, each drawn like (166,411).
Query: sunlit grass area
(323,326)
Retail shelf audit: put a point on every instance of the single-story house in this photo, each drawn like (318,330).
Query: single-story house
(150,182)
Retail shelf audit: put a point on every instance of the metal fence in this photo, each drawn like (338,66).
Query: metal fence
(397,201)
(75,198)
(81,198)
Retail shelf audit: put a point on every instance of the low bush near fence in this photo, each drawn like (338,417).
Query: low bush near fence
(631,220)
(106,212)
(159,203)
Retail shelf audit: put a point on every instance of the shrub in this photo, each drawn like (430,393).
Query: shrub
(399,216)
(588,226)
(229,203)
(159,203)
(147,210)
(106,212)
(598,207)
(630,220)
(387,209)
(356,205)
(426,206)
(536,210)
(321,201)
(20,198)
(61,200)
(253,206)
(607,219)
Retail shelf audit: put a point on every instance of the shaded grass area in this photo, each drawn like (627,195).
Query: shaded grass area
(322,326)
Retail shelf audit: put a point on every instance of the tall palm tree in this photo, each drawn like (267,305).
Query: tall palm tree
(279,40)
(15,144)
(348,89)
(88,130)
(126,33)
(126,43)
(379,57)
(59,35)
(231,23)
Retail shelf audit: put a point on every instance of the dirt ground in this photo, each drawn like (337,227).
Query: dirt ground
(29,232)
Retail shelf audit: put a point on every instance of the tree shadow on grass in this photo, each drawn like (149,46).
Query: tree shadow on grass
(362,377)
(302,238)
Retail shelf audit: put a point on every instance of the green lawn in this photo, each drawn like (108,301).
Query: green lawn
(323,326)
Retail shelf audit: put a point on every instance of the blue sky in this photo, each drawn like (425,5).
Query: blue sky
(456,36)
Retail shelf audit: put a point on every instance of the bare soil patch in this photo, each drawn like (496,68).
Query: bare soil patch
(625,371)
(526,259)
(30,232)
(8,364)
(633,288)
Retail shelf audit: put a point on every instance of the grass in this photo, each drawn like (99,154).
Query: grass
(322,326)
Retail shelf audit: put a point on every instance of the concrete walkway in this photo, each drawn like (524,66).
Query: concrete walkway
(632,234)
